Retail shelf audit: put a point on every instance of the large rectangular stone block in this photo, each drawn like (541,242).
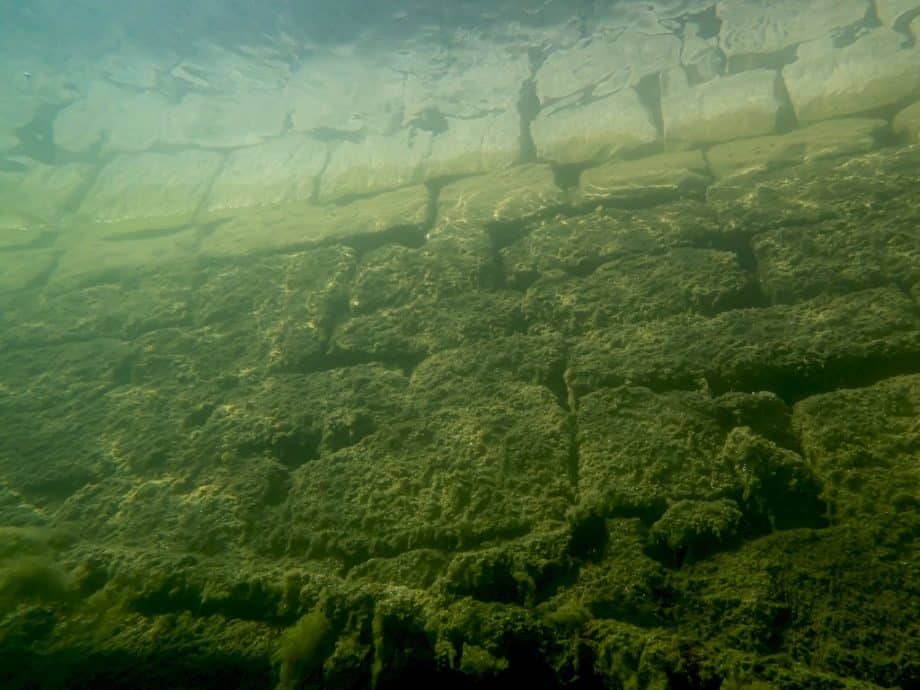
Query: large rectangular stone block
(376,164)
(650,179)
(281,170)
(505,196)
(595,131)
(116,118)
(726,108)
(849,136)
(301,224)
(477,145)
(150,190)
(893,12)
(34,195)
(767,26)
(608,61)
(875,71)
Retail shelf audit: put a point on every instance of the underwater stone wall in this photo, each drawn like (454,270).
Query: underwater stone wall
(165,148)
(647,422)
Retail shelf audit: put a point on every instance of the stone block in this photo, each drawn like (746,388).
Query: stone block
(608,61)
(769,26)
(117,119)
(907,123)
(877,70)
(472,78)
(102,251)
(281,170)
(730,107)
(659,177)
(894,13)
(863,440)
(345,94)
(578,244)
(216,121)
(475,146)
(301,224)
(833,258)
(376,164)
(21,270)
(701,56)
(150,190)
(35,195)
(595,131)
(505,196)
(822,140)
(790,350)
(637,288)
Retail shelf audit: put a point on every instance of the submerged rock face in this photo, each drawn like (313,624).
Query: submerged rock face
(570,345)
(459,432)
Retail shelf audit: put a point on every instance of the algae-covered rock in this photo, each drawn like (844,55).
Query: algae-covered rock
(578,245)
(836,258)
(823,190)
(864,442)
(777,485)
(793,350)
(635,288)
(522,429)
(690,530)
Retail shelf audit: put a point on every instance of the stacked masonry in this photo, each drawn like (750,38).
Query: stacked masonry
(151,159)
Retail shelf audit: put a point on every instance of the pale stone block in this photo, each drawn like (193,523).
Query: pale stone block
(346,94)
(851,136)
(892,12)
(475,146)
(907,123)
(875,71)
(120,119)
(659,176)
(135,70)
(595,131)
(472,78)
(609,61)
(768,26)
(377,164)
(38,195)
(915,29)
(245,119)
(150,190)
(300,223)
(500,197)
(729,107)
(278,171)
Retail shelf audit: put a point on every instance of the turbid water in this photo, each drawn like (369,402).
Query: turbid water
(493,344)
